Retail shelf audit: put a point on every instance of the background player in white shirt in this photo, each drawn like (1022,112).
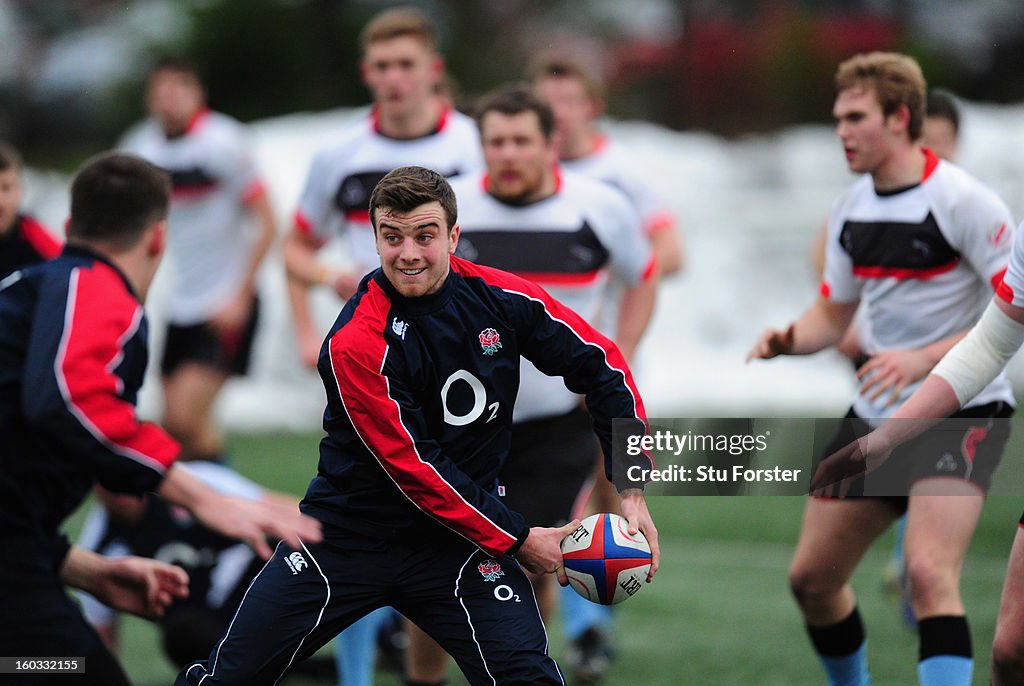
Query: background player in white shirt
(924,244)
(216,196)
(410,123)
(576,93)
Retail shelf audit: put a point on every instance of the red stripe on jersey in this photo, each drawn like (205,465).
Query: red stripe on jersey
(997,279)
(193,192)
(197,120)
(39,238)
(1003,290)
(358,215)
(254,190)
(305,228)
(366,395)
(824,290)
(931,161)
(904,273)
(554,279)
(100,317)
(559,312)
(650,270)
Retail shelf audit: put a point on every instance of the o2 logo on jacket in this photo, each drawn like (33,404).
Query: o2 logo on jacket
(479,400)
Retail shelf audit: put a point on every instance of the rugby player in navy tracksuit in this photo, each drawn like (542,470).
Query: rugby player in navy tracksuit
(421,371)
(72,358)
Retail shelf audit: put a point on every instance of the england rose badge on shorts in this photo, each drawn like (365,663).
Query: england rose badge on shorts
(490,341)
(490,570)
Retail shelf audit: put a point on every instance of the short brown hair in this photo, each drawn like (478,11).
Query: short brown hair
(896,79)
(406,188)
(115,198)
(10,158)
(516,100)
(553,65)
(398,22)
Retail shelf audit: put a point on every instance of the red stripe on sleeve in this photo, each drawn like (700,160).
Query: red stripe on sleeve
(39,238)
(305,228)
(660,222)
(1003,290)
(824,290)
(650,270)
(100,317)
(997,279)
(366,395)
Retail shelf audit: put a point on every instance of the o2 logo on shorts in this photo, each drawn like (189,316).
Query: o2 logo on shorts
(296,563)
(479,400)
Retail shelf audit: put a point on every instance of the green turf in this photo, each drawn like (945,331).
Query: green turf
(719,611)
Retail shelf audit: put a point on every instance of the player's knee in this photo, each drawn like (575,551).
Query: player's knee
(1008,657)
(810,586)
(931,586)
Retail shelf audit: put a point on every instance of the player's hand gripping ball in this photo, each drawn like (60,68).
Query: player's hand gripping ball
(603,562)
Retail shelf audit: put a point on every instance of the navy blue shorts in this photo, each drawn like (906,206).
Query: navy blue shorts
(480,609)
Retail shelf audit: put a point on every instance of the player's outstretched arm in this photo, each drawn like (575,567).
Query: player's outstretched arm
(541,552)
(821,326)
(634,509)
(132,584)
(251,521)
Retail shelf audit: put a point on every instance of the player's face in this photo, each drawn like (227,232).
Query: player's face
(868,135)
(401,73)
(173,98)
(520,160)
(939,135)
(573,108)
(415,248)
(10,199)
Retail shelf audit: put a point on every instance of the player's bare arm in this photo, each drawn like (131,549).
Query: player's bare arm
(822,325)
(138,585)
(635,312)
(233,315)
(634,510)
(247,520)
(893,370)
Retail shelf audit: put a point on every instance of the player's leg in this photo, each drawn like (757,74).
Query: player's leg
(356,647)
(426,662)
(939,530)
(834,536)
(1008,646)
(950,468)
(189,394)
(483,613)
(296,604)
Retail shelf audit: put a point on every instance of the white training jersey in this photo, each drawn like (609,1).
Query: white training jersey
(612,164)
(213,177)
(924,260)
(336,198)
(570,243)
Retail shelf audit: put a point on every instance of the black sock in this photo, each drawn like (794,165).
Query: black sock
(838,640)
(946,635)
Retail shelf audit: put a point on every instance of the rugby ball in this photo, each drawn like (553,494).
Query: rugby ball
(603,562)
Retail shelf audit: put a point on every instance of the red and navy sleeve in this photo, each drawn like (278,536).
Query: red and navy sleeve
(561,343)
(82,373)
(385,413)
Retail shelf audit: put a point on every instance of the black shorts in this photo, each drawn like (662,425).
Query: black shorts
(1022,520)
(968,447)
(200,343)
(549,464)
(481,609)
(46,623)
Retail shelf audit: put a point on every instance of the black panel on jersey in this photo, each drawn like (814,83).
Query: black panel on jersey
(354,190)
(548,252)
(192,179)
(897,245)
